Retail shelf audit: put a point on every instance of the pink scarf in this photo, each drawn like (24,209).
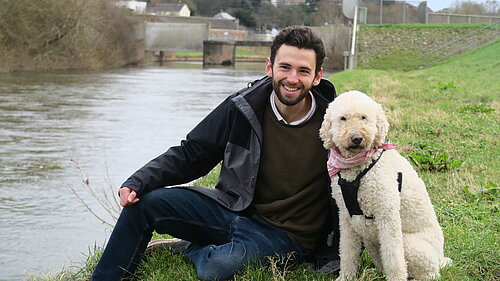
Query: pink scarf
(337,162)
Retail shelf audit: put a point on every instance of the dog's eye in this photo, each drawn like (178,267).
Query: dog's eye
(342,118)
(363,117)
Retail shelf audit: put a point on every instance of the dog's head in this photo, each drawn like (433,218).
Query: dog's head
(354,123)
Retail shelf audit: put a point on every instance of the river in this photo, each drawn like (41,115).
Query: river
(112,122)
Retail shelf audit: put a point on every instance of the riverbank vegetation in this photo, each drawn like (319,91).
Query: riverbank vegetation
(445,119)
(71,34)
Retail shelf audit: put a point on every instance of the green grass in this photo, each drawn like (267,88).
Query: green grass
(241,51)
(189,54)
(461,121)
(258,52)
(393,60)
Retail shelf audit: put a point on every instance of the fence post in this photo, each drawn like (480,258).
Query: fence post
(380,12)
(404,11)
(353,42)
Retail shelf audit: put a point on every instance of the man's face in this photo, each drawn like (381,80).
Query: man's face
(293,73)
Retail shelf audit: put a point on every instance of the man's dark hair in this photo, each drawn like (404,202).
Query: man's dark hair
(303,38)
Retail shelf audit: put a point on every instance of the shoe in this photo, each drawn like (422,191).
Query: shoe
(330,267)
(174,245)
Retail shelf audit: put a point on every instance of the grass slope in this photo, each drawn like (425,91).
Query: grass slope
(447,113)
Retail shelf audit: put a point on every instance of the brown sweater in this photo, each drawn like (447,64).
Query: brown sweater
(291,185)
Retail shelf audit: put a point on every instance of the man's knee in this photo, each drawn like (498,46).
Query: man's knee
(219,269)
(222,262)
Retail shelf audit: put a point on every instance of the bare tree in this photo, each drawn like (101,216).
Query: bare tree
(327,12)
(468,7)
(53,34)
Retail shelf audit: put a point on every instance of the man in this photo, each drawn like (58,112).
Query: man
(273,195)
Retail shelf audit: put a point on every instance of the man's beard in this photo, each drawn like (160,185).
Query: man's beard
(289,102)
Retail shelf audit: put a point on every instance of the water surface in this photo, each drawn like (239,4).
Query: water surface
(112,122)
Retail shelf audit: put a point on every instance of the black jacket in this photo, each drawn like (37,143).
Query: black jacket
(231,133)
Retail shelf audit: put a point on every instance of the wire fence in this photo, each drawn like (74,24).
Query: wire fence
(392,12)
(411,11)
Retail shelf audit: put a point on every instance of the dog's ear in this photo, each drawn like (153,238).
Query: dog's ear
(324,132)
(382,126)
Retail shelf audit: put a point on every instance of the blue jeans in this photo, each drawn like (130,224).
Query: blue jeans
(222,241)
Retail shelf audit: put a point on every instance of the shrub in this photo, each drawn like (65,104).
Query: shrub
(476,108)
(488,192)
(447,86)
(52,34)
(431,160)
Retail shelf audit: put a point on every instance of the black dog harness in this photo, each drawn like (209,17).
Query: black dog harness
(350,189)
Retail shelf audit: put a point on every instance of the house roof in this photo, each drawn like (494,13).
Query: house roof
(224,15)
(167,7)
(214,23)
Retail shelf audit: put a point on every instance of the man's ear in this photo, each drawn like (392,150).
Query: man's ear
(318,77)
(269,67)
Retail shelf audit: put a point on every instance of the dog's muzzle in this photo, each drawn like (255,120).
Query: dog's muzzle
(356,141)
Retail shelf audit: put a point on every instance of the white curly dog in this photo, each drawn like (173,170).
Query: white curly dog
(383,203)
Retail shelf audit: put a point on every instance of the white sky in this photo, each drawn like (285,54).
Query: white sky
(437,5)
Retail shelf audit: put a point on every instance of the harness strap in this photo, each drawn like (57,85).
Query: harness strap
(400,181)
(350,189)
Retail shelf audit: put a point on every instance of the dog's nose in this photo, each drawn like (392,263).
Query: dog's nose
(356,139)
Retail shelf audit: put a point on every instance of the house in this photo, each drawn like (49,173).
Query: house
(167,9)
(138,7)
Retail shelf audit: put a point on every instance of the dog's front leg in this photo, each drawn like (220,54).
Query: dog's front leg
(350,249)
(391,245)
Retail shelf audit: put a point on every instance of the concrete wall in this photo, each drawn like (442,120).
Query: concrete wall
(454,18)
(227,35)
(174,36)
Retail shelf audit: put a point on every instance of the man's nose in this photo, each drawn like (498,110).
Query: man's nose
(292,77)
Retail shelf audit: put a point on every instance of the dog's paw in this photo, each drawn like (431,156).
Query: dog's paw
(345,277)
(396,278)
(445,262)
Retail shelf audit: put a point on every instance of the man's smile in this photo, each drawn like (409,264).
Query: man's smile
(291,89)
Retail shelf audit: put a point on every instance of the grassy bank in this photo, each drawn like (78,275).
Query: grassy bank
(443,117)
(402,46)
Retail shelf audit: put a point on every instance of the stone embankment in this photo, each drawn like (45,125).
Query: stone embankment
(382,43)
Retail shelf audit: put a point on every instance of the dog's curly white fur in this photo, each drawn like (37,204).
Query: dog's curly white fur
(404,237)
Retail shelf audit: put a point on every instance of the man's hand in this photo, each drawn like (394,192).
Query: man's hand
(127,197)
